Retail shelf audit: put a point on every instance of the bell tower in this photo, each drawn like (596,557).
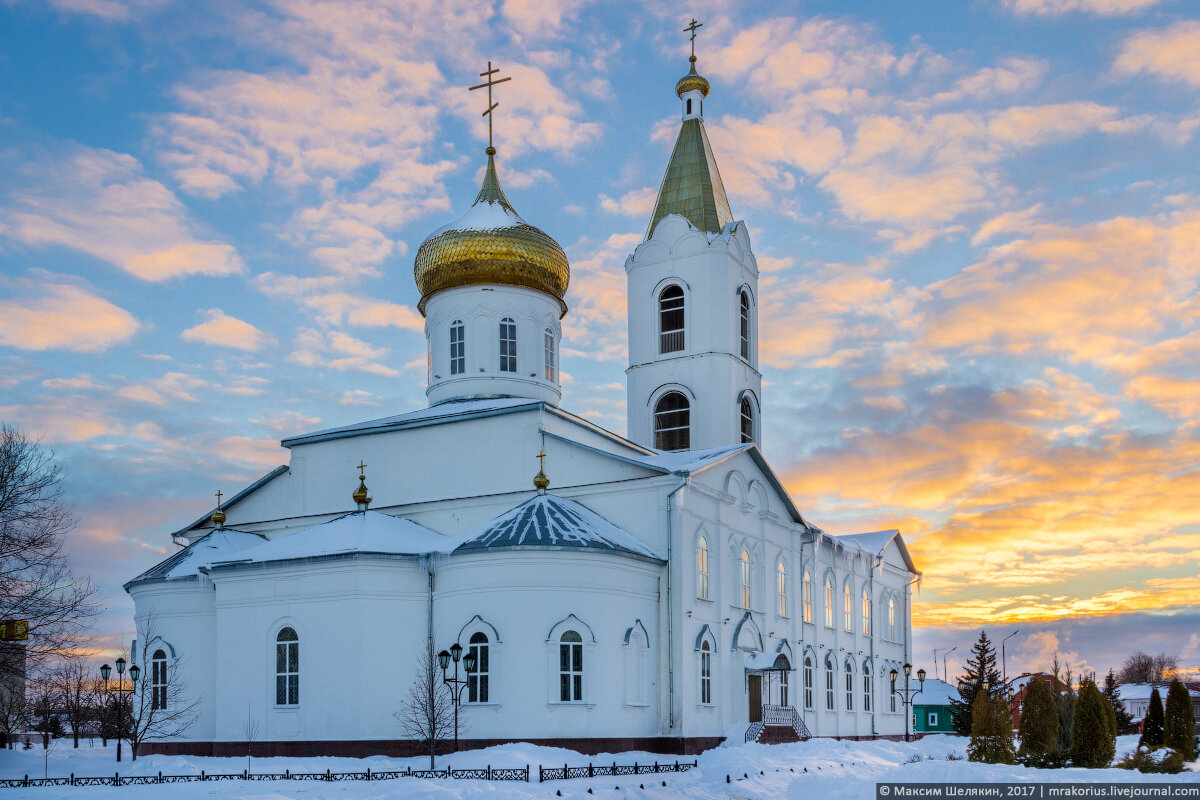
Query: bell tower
(693,379)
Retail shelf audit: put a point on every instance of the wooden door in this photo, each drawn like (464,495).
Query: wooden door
(755,689)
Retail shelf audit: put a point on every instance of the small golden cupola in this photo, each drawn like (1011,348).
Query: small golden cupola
(360,497)
(218,516)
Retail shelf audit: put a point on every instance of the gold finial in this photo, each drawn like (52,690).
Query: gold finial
(218,516)
(693,28)
(540,481)
(491,148)
(360,494)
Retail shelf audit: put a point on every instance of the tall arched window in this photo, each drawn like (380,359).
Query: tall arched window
(477,679)
(158,680)
(866,704)
(672,422)
(829,683)
(849,686)
(744,302)
(848,610)
(866,613)
(808,681)
(747,409)
(705,674)
(551,360)
(570,667)
(458,347)
(828,602)
(781,586)
(892,697)
(287,668)
(806,592)
(508,345)
(689,106)
(744,571)
(670,320)
(892,618)
(702,568)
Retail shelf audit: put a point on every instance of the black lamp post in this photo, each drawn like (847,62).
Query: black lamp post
(134,672)
(907,694)
(456,685)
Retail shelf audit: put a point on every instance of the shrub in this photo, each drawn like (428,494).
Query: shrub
(1093,742)
(1179,727)
(991,731)
(1039,725)
(1162,760)
(1152,727)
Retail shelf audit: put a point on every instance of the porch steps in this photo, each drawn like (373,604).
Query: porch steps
(778,734)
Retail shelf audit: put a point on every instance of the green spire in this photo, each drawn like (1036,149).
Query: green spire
(692,186)
(491,191)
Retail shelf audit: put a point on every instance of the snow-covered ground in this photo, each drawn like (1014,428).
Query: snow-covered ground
(820,768)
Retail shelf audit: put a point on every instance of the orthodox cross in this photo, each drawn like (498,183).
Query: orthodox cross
(491,106)
(361,467)
(541,457)
(693,28)
(218,498)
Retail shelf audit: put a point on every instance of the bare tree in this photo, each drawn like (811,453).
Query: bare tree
(36,581)
(76,684)
(1141,667)
(12,706)
(161,706)
(251,727)
(427,715)
(42,707)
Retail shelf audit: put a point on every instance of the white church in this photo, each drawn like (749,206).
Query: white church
(657,591)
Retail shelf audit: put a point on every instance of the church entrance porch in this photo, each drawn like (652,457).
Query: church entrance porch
(767,681)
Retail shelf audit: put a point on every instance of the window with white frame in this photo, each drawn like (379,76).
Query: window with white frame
(806,595)
(670,320)
(783,688)
(866,704)
(808,681)
(672,422)
(848,608)
(747,414)
(458,347)
(781,586)
(744,303)
(892,618)
(702,568)
(892,698)
(744,572)
(829,683)
(570,667)
(849,686)
(508,345)
(828,602)
(287,668)
(551,359)
(933,719)
(705,674)
(158,680)
(478,679)
(866,613)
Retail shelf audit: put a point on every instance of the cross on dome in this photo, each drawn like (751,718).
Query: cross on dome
(492,106)
(693,27)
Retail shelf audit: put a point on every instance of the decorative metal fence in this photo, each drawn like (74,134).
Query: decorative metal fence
(487,773)
(566,772)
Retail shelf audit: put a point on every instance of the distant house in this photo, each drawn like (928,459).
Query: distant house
(1136,697)
(931,707)
(1020,685)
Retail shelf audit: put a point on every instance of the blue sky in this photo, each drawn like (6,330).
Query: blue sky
(978,226)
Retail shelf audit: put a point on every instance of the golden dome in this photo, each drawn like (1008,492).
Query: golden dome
(693,80)
(491,244)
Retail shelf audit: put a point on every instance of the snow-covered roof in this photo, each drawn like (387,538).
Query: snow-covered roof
(442,412)
(759,661)
(875,543)
(936,692)
(690,460)
(221,544)
(547,520)
(356,532)
(1141,691)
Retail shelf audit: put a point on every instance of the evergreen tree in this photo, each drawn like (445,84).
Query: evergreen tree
(1093,741)
(1039,724)
(1179,728)
(1152,726)
(991,731)
(980,667)
(1123,719)
(1064,701)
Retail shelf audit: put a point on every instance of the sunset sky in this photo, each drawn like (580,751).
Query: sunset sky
(978,225)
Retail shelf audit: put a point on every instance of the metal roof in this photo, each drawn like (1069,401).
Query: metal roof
(692,184)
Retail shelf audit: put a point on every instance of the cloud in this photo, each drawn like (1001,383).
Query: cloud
(171,387)
(222,330)
(262,452)
(339,351)
(109,10)
(1169,53)
(1054,8)
(595,328)
(634,203)
(61,316)
(100,203)
(332,306)
(1178,397)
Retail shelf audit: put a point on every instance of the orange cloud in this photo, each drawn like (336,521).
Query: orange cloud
(62,316)
(1053,8)
(1171,53)
(225,331)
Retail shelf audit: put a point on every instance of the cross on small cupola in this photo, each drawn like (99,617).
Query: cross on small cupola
(218,516)
(489,83)
(540,481)
(360,494)
(692,88)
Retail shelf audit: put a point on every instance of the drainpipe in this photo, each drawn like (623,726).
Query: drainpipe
(429,623)
(670,608)
(871,642)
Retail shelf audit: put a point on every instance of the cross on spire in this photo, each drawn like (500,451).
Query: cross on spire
(361,466)
(692,27)
(218,498)
(491,149)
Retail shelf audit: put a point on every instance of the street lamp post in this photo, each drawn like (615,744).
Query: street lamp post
(456,685)
(1003,660)
(105,672)
(945,669)
(907,694)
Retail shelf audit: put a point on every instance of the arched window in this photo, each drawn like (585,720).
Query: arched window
(458,348)
(551,360)
(287,668)
(892,697)
(705,674)
(848,610)
(702,568)
(747,409)
(828,602)
(689,105)
(892,618)
(866,613)
(806,592)
(744,302)
(158,680)
(670,320)
(849,686)
(477,679)
(782,588)
(744,564)
(829,683)
(808,681)
(508,345)
(570,667)
(866,704)
(672,422)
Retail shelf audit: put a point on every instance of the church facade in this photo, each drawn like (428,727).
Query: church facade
(657,591)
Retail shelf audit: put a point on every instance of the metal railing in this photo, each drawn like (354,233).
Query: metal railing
(779,715)
(566,772)
(754,731)
(486,773)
